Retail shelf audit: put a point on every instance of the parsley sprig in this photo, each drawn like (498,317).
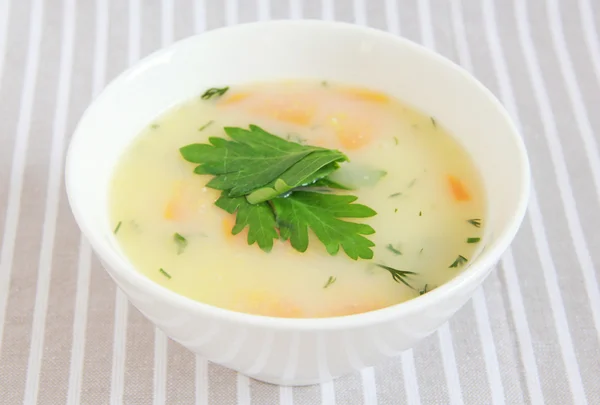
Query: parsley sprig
(265,180)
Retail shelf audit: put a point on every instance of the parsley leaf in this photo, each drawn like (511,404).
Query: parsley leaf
(259,219)
(321,212)
(297,176)
(254,159)
(266,182)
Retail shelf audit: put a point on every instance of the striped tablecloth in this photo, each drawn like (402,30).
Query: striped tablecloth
(529,336)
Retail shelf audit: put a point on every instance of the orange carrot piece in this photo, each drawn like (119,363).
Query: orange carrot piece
(294,109)
(459,191)
(294,115)
(227,225)
(170,211)
(233,99)
(366,95)
(173,209)
(267,304)
(353,138)
(351,133)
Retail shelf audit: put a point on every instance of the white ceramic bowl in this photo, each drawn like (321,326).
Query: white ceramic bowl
(296,351)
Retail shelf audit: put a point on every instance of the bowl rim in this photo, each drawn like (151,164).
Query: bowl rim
(470,275)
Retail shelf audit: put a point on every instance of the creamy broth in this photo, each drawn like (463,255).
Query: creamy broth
(430,204)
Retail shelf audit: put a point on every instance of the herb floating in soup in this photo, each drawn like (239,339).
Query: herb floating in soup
(268,183)
(297,199)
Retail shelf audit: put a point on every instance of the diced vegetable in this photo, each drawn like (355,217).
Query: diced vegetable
(268,304)
(366,95)
(351,133)
(353,138)
(459,191)
(174,208)
(234,98)
(293,109)
(353,176)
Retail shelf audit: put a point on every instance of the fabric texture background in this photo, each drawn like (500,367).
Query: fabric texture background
(529,336)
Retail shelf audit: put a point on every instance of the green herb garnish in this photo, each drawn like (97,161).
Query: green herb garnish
(433,122)
(264,181)
(475,222)
(460,260)
(424,290)
(330,281)
(321,213)
(214,92)
(473,240)
(399,275)
(324,83)
(208,124)
(154,126)
(395,210)
(164,273)
(420,213)
(259,218)
(396,140)
(392,249)
(181,243)
(259,164)
(117,227)
(398,194)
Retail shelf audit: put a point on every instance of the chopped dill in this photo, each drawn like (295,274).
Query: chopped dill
(181,243)
(399,276)
(460,260)
(420,213)
(164,273)
(473,240)
(330,281)
(393,249)
(208,124)
(399,193)
(425,290)
(118,227)
(433,122)
(476,222)
(135,226)
(395,210)
(154,126)
(214,91)
(396,140)
(421,251)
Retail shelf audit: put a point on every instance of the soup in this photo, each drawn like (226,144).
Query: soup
(396,162)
